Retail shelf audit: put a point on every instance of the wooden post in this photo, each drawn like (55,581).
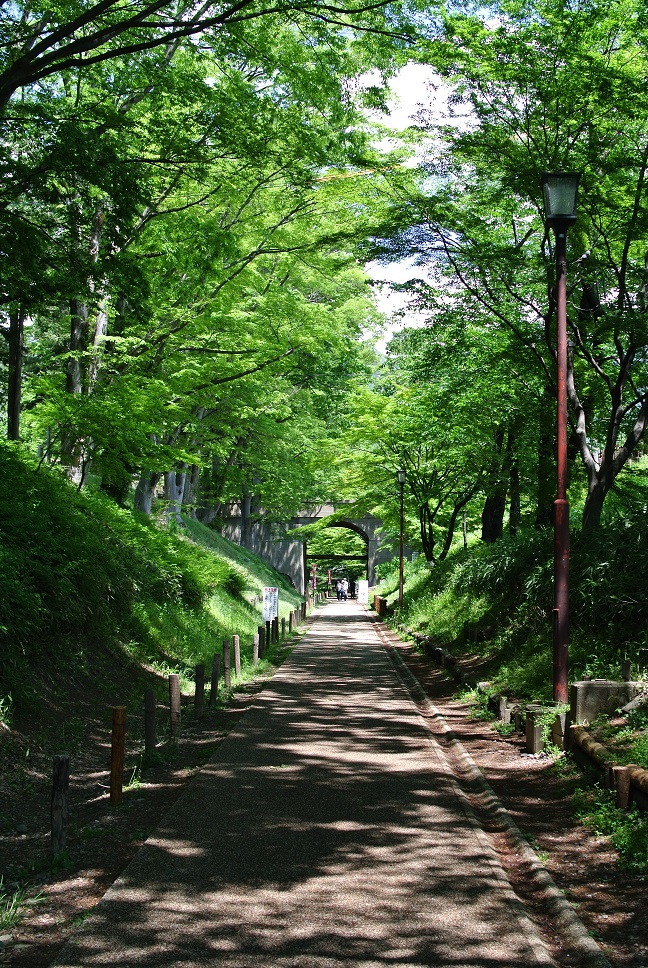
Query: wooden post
(255,650)
(150,733)
(117,754)
(275,629)
(261,631)
(227,663)
(59,807)
(237,656)
(283,628)
(199,696)
(621,781)
(268,634)
(174,703)
(213,691)
(291,622)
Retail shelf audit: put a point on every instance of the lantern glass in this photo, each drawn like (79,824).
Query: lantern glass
(560,194)
(400,475)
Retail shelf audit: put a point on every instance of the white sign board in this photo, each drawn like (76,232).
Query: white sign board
(363,591)
(270,604)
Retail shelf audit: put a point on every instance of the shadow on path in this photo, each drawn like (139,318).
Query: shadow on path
(325,831)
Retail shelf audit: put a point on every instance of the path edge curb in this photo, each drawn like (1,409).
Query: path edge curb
(560,909)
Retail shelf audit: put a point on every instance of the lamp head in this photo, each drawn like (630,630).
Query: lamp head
(560,191)
(400,476)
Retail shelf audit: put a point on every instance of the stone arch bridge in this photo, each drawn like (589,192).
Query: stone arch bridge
(289,555)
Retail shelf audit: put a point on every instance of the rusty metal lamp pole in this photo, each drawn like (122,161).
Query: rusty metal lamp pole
(400,475)
(560,192)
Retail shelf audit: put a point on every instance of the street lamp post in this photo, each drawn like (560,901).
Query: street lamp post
(560,192)
(401,483)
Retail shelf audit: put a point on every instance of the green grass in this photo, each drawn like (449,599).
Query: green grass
(76,569)
(12,903)
(495,600)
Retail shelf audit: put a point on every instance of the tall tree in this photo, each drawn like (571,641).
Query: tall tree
(543,86)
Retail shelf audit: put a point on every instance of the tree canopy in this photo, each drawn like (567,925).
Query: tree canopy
(189,195)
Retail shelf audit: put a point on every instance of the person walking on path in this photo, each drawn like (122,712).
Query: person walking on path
(325,831)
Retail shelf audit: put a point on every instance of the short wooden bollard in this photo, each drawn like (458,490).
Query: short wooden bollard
(150,732)
(303,611)
(255,650)
(283,628)
(227,663)
(261,632)
(199,695)
(291,622)
(215,676)
(175,716)
(268,634)
(275,629)
(236,642)
(621,783)
(59,807)
(117,755)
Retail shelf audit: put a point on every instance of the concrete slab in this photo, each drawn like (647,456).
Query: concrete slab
(590,697)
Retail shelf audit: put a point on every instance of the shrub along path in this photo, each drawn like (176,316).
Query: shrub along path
(326,830)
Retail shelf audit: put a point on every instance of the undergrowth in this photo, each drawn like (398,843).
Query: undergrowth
(11,905)
(627,831)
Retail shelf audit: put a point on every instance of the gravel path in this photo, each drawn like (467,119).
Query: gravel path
(327,830)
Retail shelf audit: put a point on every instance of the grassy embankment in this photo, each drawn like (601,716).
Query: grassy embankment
(88,590)
(495,601)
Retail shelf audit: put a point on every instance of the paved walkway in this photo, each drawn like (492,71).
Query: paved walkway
(325,831)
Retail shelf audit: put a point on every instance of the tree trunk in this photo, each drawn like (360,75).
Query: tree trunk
(83,363)
(192,480)
(174,485)
(459,505)
(426,522)
(514,499)
(78,343)
(493,516)
(210,492)
(71,447)
(513,474)
(599,486)
(100,332)
(495,504)
(145,492)
(246,523)
(16,332)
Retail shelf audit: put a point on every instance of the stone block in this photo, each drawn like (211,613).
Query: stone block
(534,740)
(536,716)
(588,699)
